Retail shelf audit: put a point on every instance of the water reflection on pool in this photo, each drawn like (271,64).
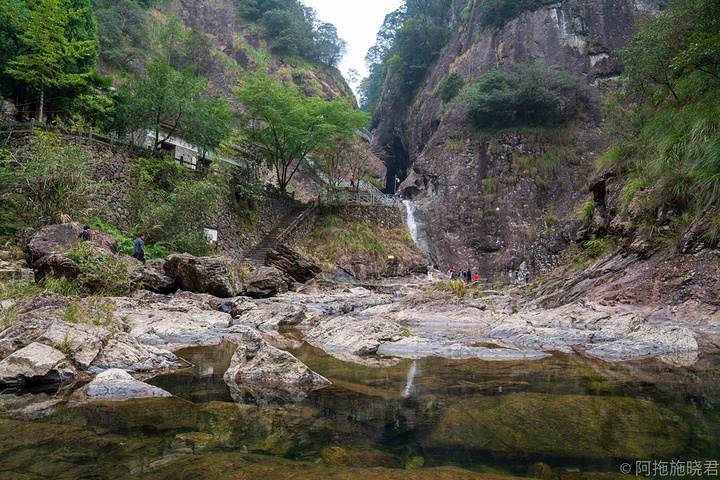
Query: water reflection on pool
(573,414)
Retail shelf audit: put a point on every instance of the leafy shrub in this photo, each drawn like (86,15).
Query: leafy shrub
(458,287)
(101,274)
(171,205)
(43,182)
(588,212)
(449,86)
(534,95)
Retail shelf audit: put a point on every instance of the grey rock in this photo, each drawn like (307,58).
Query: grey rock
(54,265)
(256,361)
(36,363)
(56,238)
(298,266)
(650,341)
(267,282)
(156,281)
(202,274)
(82,341)
(176,329)
(353,337)
(123,351)
(117,385)
(274,316)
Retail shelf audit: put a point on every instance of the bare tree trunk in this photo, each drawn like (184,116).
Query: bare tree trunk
(42,101)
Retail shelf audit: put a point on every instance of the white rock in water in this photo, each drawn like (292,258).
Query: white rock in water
(116,384)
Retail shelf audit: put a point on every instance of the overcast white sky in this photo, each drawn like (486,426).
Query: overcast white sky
(357,22)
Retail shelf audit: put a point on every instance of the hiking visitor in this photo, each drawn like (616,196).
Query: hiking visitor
(85,234)
(139,248)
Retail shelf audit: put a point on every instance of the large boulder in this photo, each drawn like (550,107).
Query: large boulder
(56,238)
(156,281)
(55,265)
(298,266)
(267,282)
(35,363)
(256,361)
(361,266)
(81,341)
(118,385)
(123,351)
(213,275)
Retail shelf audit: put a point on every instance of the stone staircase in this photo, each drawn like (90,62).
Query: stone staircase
(257,255)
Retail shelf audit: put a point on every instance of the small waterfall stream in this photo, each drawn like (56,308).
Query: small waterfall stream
(416,231)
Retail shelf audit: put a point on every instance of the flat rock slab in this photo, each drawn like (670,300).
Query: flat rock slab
(116,385)
(418,347)
(354,336)
(123,351)
(173,330)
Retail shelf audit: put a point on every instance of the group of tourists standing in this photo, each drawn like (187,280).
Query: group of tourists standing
(468,276)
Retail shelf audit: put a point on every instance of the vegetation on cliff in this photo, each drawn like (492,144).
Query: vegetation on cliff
(409,41)
(666,115)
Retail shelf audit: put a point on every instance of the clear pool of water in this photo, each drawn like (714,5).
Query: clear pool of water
(576,415)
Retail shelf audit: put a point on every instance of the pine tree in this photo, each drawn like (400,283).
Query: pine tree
(42,23)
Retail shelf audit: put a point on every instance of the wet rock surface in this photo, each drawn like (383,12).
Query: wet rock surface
(115,384)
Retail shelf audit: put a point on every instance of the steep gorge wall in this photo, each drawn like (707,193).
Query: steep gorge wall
(491,204)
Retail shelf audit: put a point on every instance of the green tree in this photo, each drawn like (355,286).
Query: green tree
(449,86)
(168,103)
(121,30)
(171,205)
(528,95)
(49,51)
(284,126)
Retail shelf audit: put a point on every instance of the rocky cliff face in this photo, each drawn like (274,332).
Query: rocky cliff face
(239,46)
(501,202)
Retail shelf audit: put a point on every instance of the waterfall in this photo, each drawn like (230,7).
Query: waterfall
(412,223)
(416,231)
(410,379)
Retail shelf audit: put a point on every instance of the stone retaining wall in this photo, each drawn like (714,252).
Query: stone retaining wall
(367,214)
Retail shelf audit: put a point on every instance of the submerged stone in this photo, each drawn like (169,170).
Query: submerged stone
(248,427)
(563,426)
(159,413)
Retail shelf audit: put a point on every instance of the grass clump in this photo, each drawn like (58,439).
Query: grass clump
(106,275)
(336,239)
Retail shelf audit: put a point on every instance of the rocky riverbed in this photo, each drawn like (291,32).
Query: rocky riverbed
(99,360)
(414,319)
